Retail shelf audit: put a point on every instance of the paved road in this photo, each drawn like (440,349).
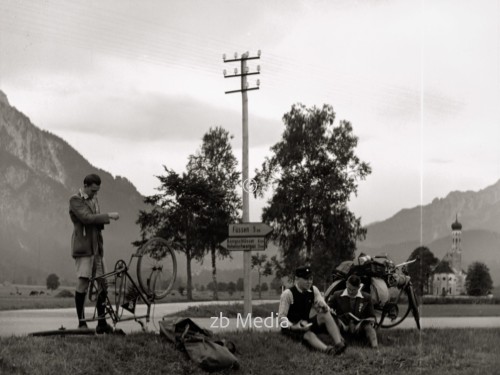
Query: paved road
(22,322)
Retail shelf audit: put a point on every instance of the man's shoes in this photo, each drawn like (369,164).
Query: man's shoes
(340,348)
(83,325)
(100,329)
(330,350)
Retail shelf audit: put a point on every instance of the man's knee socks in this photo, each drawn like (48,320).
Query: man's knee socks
(80,308)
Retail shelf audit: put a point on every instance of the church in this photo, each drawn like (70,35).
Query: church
(448,277)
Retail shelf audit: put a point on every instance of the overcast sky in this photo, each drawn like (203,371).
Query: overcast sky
(133,85)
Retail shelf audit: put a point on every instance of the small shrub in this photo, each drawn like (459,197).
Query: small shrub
(65,294)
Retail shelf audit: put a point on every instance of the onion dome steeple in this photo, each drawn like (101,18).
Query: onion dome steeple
(456,225)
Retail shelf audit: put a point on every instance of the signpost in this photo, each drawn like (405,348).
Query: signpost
(249,230)
(244,243)
(247,237)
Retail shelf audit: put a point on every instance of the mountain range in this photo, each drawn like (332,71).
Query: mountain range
(39,171)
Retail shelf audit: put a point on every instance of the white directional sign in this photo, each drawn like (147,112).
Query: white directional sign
(249,230)
(242,243)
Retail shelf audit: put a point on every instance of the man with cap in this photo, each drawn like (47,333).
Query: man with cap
(296,311)
(354,310)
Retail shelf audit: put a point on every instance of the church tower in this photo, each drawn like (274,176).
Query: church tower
(454,257)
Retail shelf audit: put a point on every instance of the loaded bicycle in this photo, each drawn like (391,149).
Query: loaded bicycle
(155,270)
(388,284)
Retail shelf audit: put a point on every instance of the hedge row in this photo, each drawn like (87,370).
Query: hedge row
(431,300)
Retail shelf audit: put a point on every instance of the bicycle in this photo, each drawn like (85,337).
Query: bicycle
(400,290)
(156,271)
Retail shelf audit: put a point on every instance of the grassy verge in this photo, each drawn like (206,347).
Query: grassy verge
(454,351)
(265,310)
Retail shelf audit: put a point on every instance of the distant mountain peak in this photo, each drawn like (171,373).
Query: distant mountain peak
(3,98)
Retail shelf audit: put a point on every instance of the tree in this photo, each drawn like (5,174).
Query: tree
(314,172)
(216,164)
(420,271)
(264,287)
(231,288)
(178,212)
(478,281)
(276,285)
(52,281)
(239,284)
(264,268)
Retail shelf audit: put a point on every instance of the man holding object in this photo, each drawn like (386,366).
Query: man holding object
(354,310)
(296,309)
(87,247)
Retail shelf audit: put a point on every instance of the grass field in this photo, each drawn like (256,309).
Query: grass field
(453,351)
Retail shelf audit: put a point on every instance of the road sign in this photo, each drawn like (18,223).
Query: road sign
(249,230)
(244,243)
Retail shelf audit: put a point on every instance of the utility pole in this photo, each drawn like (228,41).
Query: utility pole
(247,254)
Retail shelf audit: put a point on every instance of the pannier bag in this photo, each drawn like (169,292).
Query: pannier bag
(199,345)
(379,291)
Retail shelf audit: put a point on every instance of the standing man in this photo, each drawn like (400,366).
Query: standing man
(354,310)
(295,310)
(87,247)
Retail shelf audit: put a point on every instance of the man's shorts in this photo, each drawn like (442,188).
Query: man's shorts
(87,267)
(299,335)
(355,329)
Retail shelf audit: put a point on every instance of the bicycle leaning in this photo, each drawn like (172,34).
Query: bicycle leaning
(388,284)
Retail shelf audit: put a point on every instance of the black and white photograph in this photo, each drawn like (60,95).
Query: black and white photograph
(249,187)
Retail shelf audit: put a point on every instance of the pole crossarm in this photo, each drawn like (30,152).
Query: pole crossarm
(249,89)
(241,75)
(242,59)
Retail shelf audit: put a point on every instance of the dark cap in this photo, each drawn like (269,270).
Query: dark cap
(303,271)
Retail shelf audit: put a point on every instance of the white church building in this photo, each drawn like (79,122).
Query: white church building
(448,277)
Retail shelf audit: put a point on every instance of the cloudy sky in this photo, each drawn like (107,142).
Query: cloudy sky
(133,85)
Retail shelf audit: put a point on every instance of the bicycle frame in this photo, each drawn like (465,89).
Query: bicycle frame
(98,283)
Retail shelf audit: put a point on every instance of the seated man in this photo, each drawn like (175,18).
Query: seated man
(354,310)
(294,312)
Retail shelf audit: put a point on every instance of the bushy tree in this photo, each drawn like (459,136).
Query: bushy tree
(314,171)
(420,271)
(263,266)
(239,284)
(216,164)
(178,213)
(231,288)
(478,281)
(52,281)
(264,287)
(276,285)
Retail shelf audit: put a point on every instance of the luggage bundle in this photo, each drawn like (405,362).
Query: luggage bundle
(199,345)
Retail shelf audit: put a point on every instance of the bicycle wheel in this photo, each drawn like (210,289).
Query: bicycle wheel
(396,310)
(156,268)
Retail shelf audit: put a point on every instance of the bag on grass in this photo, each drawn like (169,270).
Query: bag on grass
(199,345)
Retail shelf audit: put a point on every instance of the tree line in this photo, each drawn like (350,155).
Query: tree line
(313,172)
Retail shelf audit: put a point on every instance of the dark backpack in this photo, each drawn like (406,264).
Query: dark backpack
(199,345)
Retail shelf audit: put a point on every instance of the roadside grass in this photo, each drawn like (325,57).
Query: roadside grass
(433,351)
(265,310)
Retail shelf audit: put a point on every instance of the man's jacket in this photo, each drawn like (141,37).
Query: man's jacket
(363,306)
(87,225)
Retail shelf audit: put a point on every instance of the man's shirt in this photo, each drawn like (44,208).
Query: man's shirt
(286,301)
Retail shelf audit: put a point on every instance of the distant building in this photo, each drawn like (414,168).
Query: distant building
(448,277)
